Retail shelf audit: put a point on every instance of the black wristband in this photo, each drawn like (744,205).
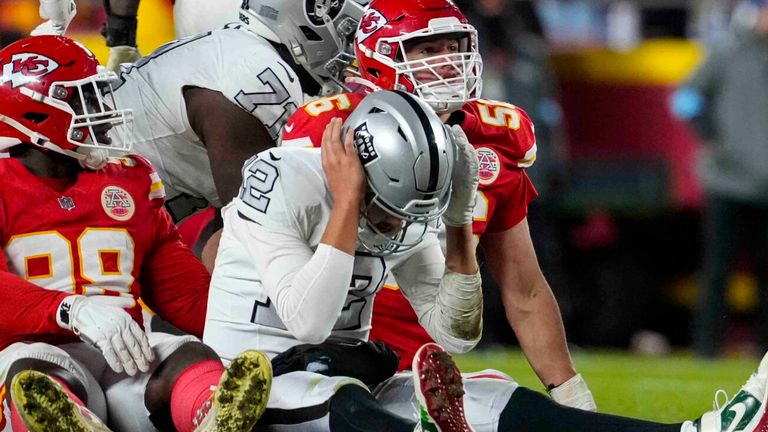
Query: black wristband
(120,30)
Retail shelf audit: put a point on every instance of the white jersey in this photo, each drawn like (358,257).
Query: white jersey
(244,67)
(270,232)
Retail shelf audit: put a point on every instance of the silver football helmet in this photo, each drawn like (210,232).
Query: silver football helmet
(317,33)
(408,155)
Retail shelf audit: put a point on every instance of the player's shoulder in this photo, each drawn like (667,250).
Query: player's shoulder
(502,127)
(279,182)
(305,126)
(138,171)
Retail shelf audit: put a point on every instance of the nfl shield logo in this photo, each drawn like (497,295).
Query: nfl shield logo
(66,203)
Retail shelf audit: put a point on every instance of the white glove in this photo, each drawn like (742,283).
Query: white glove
(102,322)
(122,54)
(59,14)
(575,394)
(464,180)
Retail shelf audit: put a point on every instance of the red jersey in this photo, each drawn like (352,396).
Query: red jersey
(504,140)
(107,233)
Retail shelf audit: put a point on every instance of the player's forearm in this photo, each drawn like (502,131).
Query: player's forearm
(27,309)
(538,326)
(317,291)
(341,232)
(460,256)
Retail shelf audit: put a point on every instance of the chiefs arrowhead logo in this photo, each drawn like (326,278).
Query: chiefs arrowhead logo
(372,21)
(27,67)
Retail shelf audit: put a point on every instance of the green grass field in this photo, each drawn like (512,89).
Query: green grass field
(665,389)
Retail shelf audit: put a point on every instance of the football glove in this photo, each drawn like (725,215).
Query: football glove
(58,13)
(102,322)
(122,54)
(464,180)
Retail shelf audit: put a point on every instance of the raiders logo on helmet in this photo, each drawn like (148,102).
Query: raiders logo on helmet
(316,10)
(364,144)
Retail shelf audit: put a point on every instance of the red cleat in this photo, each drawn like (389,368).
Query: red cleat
(439,390)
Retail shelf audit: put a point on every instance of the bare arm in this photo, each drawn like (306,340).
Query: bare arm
(530,306)
(230,134)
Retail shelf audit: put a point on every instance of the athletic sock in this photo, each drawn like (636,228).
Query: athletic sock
(191,394)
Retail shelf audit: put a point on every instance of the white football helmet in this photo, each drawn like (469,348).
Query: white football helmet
(317,33)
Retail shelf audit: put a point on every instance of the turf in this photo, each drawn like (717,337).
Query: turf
(665,389)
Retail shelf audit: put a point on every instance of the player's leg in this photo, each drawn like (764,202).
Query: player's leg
(354,409)
(180,391)
(46,390)
(745,412)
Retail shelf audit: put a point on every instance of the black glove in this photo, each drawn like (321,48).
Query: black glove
(370,362)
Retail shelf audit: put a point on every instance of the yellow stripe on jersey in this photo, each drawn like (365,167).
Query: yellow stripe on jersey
(156,190)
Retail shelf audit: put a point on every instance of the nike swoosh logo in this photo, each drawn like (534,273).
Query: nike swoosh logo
(739,409)
(288,128)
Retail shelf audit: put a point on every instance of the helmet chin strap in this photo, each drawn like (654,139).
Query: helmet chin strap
(89,158)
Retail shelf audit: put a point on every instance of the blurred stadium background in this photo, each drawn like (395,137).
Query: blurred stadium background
(617,224)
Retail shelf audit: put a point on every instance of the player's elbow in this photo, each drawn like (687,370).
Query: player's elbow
(309,332)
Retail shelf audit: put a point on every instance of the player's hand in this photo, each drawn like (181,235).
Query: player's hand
(58,13)
(122,54)
(102,322)
(464,180)
(341,164)
(575,394)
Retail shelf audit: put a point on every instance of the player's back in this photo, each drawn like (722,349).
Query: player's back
(240,65)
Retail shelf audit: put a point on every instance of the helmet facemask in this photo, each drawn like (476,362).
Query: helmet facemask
(382,232)
(89,102)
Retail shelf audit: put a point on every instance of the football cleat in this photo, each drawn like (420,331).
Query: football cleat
(44,405)
(439,390)
(744,413)
(241,396)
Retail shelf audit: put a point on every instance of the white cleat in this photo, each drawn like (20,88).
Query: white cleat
(744,413)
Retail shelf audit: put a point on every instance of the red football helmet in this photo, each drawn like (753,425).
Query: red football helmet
(55,95)
(388,25)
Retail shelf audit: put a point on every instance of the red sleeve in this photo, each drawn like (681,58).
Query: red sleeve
(514,208)
(305,127)
(175,283)
(27,311)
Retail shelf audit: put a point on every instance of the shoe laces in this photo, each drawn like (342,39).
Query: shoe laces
(717,405)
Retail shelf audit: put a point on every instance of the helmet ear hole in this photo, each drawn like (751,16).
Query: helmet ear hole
(310,34)
(35,117)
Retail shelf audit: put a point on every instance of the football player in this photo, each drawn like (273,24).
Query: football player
(428,48)
(205,104)
(83,237)
(293,268)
